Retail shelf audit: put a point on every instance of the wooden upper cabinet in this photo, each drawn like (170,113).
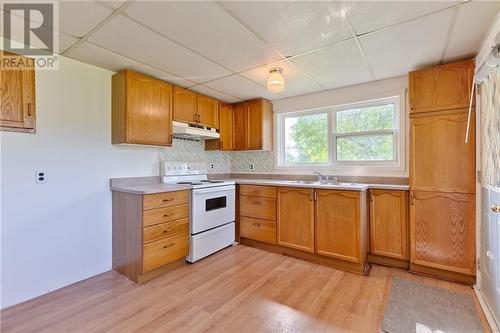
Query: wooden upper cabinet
(184,106)
(440,160)
(338,224)
(441,88)
(253,125)
(443,231)
(240,118)
(226,126)
(295,218)
(389,223)
(17,95)
(142,110)
(207,111)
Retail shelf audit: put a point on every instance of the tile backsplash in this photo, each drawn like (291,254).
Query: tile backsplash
(224,162)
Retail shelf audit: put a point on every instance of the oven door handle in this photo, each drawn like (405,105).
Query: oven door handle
(219,189)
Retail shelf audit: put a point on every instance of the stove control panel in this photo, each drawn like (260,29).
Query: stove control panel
(168,168)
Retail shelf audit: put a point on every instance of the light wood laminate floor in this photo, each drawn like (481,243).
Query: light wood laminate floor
(239,289)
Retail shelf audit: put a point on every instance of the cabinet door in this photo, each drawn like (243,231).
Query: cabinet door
(388,223)
(254,125)
(226,127)
(17,95)
(208,111)
(442,231)
(240,126)
(442,87)
(296,218)
(337,224)
(149,110)
(184,107)
(440,160)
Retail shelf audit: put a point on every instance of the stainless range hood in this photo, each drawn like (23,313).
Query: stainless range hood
(183,130)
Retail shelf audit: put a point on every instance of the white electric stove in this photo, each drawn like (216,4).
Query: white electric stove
(212,207)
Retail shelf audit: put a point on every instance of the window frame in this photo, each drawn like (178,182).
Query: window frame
(333,164)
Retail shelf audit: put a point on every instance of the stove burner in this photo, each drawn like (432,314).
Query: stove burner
(189,183)
(212,181)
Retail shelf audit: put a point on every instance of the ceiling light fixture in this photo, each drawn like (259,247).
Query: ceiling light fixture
(276,81)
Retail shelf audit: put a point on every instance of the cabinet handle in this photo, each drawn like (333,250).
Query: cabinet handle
(167,200)
(169,245)
(495,208)
(168,215)
(311,198)
(412,199)
(315,196)
(256,225)
(29,109)
(168,230)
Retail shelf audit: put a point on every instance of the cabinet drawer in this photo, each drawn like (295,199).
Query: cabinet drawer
(161,215)
(258,207)
(258,191)
(165,230)
(167,199)
(259,230)
(163,251)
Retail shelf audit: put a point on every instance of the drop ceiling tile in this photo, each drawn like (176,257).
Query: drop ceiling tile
(77,18)
(238,86)
(206,28)
(296,82)
(112,4)
(367,16)
(65,42)
(215,94)
(100,57)
(473,21)
(135,41)
(294,26)
(336,66)
(409,46)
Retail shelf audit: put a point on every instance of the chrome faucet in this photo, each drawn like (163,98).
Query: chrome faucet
(321,178)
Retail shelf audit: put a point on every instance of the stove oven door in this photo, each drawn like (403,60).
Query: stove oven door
(212,207)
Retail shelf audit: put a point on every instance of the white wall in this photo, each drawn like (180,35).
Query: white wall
(57,233)
(352,94)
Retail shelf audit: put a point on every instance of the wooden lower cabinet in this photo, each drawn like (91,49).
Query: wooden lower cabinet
(149,232)
(257,213)
(296,218)
(389,223)
(442,229)
(338,229)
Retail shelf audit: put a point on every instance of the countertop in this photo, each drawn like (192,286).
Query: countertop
(341,186)
(150,188)
(159,188)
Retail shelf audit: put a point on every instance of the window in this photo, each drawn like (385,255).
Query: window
(357,134)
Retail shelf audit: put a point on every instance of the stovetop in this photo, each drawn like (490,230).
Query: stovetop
(192,173)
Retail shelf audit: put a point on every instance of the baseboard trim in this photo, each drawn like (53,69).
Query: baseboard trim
(388,261)
(443,274)
(486,310)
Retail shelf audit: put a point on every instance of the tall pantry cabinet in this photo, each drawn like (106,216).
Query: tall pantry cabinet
(442,172)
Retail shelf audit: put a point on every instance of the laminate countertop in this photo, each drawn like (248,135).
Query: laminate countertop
(308,184)
(150,188)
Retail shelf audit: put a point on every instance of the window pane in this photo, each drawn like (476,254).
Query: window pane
(365,148)
(372,118)
(306,139)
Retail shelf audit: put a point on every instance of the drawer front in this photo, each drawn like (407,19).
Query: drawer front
(163,230)
(161,215)
(258,191)
(259,230)
(164,251)
(258,207)
(167,199)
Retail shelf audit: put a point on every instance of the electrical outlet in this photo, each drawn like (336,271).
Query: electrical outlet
(212,166)
(252,167)
(41,176)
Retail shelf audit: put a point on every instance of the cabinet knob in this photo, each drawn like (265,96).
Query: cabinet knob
(29,109)
(495,208)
